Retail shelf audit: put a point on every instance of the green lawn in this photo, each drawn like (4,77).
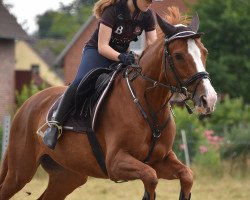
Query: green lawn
(205,187)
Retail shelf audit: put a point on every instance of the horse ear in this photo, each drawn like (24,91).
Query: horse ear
(167,28)
(195,23)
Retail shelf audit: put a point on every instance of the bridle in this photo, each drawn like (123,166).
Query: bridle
(181,88)
(182,85)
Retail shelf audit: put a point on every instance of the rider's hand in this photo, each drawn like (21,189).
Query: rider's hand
(127,58)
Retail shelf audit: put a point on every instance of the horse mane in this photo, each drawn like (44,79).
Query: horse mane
(174,17)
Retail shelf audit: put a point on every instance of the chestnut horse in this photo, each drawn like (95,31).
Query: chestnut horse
(135,127)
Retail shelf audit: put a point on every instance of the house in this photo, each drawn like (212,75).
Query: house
(20,62)
(10,31)
(31,64)
(70,57)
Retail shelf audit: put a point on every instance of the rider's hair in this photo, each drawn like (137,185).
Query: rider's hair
(101,5)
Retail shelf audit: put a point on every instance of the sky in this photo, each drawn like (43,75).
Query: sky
(26,11)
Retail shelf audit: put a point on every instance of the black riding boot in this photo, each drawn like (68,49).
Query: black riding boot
(64,107)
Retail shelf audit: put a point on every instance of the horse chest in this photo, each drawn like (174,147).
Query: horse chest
(159,152)
(163,146)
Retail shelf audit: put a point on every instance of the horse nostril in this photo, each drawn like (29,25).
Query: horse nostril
(203,101)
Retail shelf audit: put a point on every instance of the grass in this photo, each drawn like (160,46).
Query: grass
(206,187)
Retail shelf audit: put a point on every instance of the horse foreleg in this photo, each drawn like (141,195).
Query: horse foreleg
(171,168)
(125,167)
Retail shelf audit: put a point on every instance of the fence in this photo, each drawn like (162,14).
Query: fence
(6,132)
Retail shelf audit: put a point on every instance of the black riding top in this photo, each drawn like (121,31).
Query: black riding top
(124,27)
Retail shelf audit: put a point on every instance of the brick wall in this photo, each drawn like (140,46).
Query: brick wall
(73,57)
(7,77)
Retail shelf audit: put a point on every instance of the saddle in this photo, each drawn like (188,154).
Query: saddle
(90,94)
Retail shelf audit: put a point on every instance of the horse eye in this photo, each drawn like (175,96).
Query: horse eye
(178,56)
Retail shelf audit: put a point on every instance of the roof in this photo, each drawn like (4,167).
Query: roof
(9,28)
(45,52)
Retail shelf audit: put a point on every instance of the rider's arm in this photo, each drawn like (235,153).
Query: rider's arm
(149,26)
(103,43)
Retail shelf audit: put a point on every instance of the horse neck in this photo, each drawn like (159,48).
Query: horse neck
(152,61)
(152,67)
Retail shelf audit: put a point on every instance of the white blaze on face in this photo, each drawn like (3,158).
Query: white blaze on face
(209,92)
(195,52)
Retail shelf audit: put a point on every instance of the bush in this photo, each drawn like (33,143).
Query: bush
(237,147)
(228,113)
(193,128)
(26,92)
(209,163)
(208,156)
(231,121)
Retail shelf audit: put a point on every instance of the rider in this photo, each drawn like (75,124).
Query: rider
(120,22)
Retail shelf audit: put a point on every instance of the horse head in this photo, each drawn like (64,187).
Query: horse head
(184,64)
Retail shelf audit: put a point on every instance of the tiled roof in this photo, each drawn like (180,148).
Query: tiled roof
(9,28)
(45,52)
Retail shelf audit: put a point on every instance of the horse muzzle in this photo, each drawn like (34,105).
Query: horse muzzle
(205,97)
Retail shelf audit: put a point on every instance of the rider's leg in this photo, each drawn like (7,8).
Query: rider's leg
(65,105)
(91,59)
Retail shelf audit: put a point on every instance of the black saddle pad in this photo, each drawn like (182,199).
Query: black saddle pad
(74,122)
(95,84)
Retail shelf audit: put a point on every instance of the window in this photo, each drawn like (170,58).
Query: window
(35,69)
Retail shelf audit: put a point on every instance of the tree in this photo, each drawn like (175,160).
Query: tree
(65,22)
(45,22)
(227,27)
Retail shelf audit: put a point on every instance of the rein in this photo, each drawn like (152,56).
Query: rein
(156,129)
(152,120)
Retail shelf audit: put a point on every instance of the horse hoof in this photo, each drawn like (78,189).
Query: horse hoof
(182,196)
(146,196)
